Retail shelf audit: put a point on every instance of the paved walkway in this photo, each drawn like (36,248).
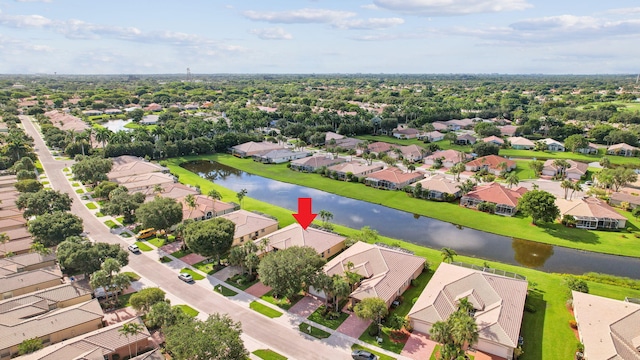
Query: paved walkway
(227,272)
(418,346)
(306,306)
(353,326)
(258,289)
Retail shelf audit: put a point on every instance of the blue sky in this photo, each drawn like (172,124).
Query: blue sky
(321,36)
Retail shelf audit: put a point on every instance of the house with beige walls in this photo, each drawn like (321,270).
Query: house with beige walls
(325,243)
(250,226)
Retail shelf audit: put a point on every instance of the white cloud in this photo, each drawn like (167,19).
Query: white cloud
(370,7)
(451,7)
(33,1)
(302,16)
(276,33)
(368,24)
(24,21)
(624,11)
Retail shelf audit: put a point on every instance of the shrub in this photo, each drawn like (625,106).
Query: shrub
(372,330)
(413,301)
(487,207)
(576,284)
(580,347)
(529,308)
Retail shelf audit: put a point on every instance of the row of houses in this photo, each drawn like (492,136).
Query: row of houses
(12,222)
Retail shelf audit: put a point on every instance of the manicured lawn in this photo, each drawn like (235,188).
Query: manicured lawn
(241,282)
(209,268)
(411,293)
(143,247)
(609,242)
(165,259)
(380,355)
(99,214)
(120,219)
(225,291)
(268,354)
(523,170)
(313,331)
(111,224)
(386,344)
(181,253)
(265,310)
(79,191)
(132,276)
(194,274)
(75,184)
(157,242)
(548,325)
(188,310)
(91,206)
(318,317)
(283,303)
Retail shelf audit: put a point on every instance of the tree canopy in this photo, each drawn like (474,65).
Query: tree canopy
(52,228)
(161,213)
(290,270)
(540,205)
(91,170)
(122,203)
(78,255)
(43,202)
(211,237)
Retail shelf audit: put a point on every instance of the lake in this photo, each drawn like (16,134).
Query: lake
(417,229)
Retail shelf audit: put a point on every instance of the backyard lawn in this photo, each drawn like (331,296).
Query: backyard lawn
(610,242)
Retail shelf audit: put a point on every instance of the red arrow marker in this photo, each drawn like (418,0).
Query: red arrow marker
(304,217)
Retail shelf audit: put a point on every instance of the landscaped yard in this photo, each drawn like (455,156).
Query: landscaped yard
(281,302)
(313,331)
(386,344)
(79,191)
(380,355)
(436,350)
(318,317)
(194,275)
(180,253)
(157,242)
(188,310)
(268,354)
(143,247)
(265,310)
(225,291)
(241,281)
(209,267)
(99,214)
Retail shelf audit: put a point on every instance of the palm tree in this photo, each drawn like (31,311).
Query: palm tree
(240,195)
(214,195)
(457,169)
(120,282)
(563,165)
(605,162)
(341,289)
(4,239)
(103,135)
(566,185)
(464,330)
(190,201)
(157,189)
(503,167)
(128,330)
(88,132)
(512,179)
(38,247)
(464,305)
(536,166)
(326,216)
(576,187)
(466,186)
(440,332)
(447,254)
(82,138)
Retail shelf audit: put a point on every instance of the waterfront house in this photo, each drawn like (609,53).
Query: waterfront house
(313,163)
(386,272)
(494,164)
(520,143)
(592,213)
(392,178)
(506,200)
(357,169)
(448,158)
(205,208)
(622,150)
(253,148)
(250,226)
(575,171)
(494,140)
(553,145)
(498,305)
(279,156)
(325,243)
(591,149)
(433,136)
(440,187)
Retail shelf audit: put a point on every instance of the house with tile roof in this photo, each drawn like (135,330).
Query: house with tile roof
(432,136)
(448,158)
(392,178)
(412,153)
(130,166)
(494,140)
(20,283)
(105,343)
(250,226)
(440,126)
(205,208)
(492,163)
(280,156)
(592,213)
(575,171)
(386,273)
(520,143)
(440,187)
(346,143)
(505,199)
(325,243)
(313,163)
(553,145)
(52,326)
(254,148)
(617,198)
(591,149)
(357,169)
(9,198)
(153,107)
(8,181)
(26,262)
(466,139)
(168,190)
(330,135)
(608,328)
(380,147)
(623,150)
(498,305)
(144,181)
(508,130)
(41,301)
(405,133)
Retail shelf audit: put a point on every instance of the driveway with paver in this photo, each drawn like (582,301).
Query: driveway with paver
(418,346)
(258,289)
(306,306)
(354,326)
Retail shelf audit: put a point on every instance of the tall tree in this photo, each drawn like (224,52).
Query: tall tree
(91,170)
(43,202)
(326,216)
(122,203)
(210,238)
(131,329)
(161,213)
(372,308)
(536,166)
(218,337)
(241,195)
(144,299)
(51,229)
(512,179)
(291,270)
(448,254)
(540,205)
(576,142)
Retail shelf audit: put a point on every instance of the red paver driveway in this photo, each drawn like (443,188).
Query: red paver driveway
(418,346)
(193,258)
(306,306)
(354,326)
(258,289)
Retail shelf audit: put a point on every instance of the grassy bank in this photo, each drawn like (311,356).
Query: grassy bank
(609,242)
(546,331)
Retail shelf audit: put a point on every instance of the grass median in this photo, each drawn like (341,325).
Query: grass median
(265,310)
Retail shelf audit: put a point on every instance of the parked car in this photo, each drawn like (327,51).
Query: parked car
(185,277)
(133,248)
(100,293)
(363,355)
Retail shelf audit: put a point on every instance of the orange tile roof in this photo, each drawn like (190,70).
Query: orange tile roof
(394,175)
(492,161)
(497,194)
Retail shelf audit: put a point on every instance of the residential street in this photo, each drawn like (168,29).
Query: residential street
(258,328)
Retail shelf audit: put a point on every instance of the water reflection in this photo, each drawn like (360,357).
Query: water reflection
(530,253)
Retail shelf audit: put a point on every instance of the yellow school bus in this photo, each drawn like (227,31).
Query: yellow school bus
(143,234)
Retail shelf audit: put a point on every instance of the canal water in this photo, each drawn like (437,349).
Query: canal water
(419,229)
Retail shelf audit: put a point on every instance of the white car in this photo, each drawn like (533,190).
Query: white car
(185,277)
(134,248)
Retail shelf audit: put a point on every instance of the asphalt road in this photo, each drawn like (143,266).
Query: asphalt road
(279,337)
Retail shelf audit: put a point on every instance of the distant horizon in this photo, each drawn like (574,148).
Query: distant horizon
(322,74)
(77,37)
